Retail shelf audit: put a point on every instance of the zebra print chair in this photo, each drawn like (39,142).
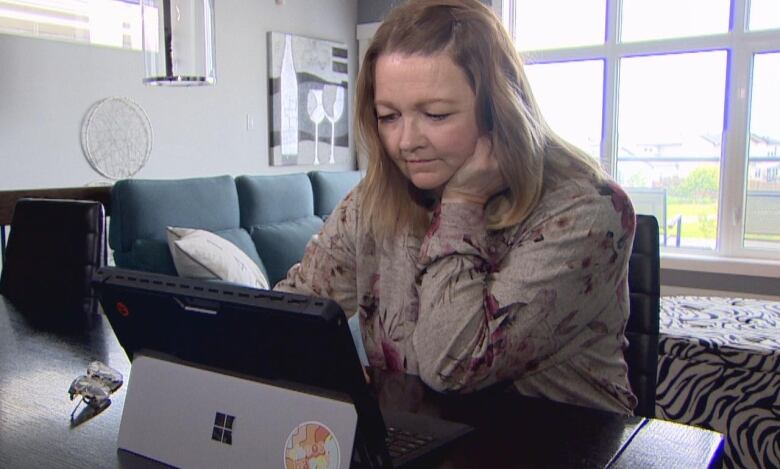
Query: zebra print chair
(719,368)
(644,287)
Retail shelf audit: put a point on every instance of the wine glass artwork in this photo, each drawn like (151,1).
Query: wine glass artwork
(333,102)
(316,114)
(308,88)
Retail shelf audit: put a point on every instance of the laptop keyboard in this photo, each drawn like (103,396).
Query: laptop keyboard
(401,442)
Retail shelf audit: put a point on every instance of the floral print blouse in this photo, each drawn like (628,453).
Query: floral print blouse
(543,303)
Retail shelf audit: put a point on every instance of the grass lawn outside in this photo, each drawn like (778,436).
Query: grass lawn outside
(699,220)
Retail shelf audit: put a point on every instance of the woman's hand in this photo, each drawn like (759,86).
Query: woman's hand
(478,179)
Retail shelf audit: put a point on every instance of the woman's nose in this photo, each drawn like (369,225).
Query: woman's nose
(411,136)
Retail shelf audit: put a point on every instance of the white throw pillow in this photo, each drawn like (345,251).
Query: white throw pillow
(204,255)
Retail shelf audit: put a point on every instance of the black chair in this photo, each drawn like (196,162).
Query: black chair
(644,286)
(53,247)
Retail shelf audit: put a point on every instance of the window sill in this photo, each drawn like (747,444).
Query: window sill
(721,265)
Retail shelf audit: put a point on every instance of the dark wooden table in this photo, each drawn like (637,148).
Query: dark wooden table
(37,367)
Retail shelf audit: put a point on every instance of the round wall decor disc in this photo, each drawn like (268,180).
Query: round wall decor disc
(116,137)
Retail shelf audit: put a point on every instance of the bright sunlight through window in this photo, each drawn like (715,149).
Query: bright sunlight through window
(678,99)
(115,23)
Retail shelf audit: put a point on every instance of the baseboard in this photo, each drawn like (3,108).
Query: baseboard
(668,290)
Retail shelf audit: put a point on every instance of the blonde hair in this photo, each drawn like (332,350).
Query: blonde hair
(529,153)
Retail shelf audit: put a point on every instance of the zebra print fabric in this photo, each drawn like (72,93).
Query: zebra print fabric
(719,368)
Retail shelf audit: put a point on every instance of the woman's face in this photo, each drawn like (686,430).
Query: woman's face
(425,116)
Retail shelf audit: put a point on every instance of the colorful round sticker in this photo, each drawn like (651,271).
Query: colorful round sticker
(311,445)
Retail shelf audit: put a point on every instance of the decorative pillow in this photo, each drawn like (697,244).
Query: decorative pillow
(204,255)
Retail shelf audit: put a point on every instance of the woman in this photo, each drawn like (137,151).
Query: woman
(480,246)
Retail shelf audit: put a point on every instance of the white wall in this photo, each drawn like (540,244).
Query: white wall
(47,86)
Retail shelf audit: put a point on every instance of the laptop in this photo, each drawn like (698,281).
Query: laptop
(283,339)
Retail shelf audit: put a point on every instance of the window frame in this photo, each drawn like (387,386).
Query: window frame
(740,45)
(76,25)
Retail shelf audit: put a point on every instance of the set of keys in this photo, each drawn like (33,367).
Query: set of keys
(96,387)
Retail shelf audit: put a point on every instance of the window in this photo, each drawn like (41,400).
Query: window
(764,14)
(575,110)
(643,20)
(762,198)
(669,132)
(541,26)
(682,96)
(115,23)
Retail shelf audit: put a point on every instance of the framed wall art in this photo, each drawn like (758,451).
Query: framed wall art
(308,86)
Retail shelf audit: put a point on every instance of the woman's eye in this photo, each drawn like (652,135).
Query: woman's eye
(386,118)
(436,117)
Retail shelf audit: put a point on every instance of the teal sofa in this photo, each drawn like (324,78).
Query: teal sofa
(269,217)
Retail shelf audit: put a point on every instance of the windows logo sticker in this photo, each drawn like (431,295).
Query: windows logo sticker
(223,428)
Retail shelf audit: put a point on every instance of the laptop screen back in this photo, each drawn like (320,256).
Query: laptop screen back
(268,335)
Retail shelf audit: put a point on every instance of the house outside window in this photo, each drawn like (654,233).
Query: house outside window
(679,101)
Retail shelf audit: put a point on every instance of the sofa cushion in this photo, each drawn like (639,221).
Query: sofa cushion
(330,187)
(142,209)
(281,245)
(149,255)
(202,254)
(278,212)
(273,199)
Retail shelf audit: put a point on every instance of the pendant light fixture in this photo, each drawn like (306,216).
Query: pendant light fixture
(178,40)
